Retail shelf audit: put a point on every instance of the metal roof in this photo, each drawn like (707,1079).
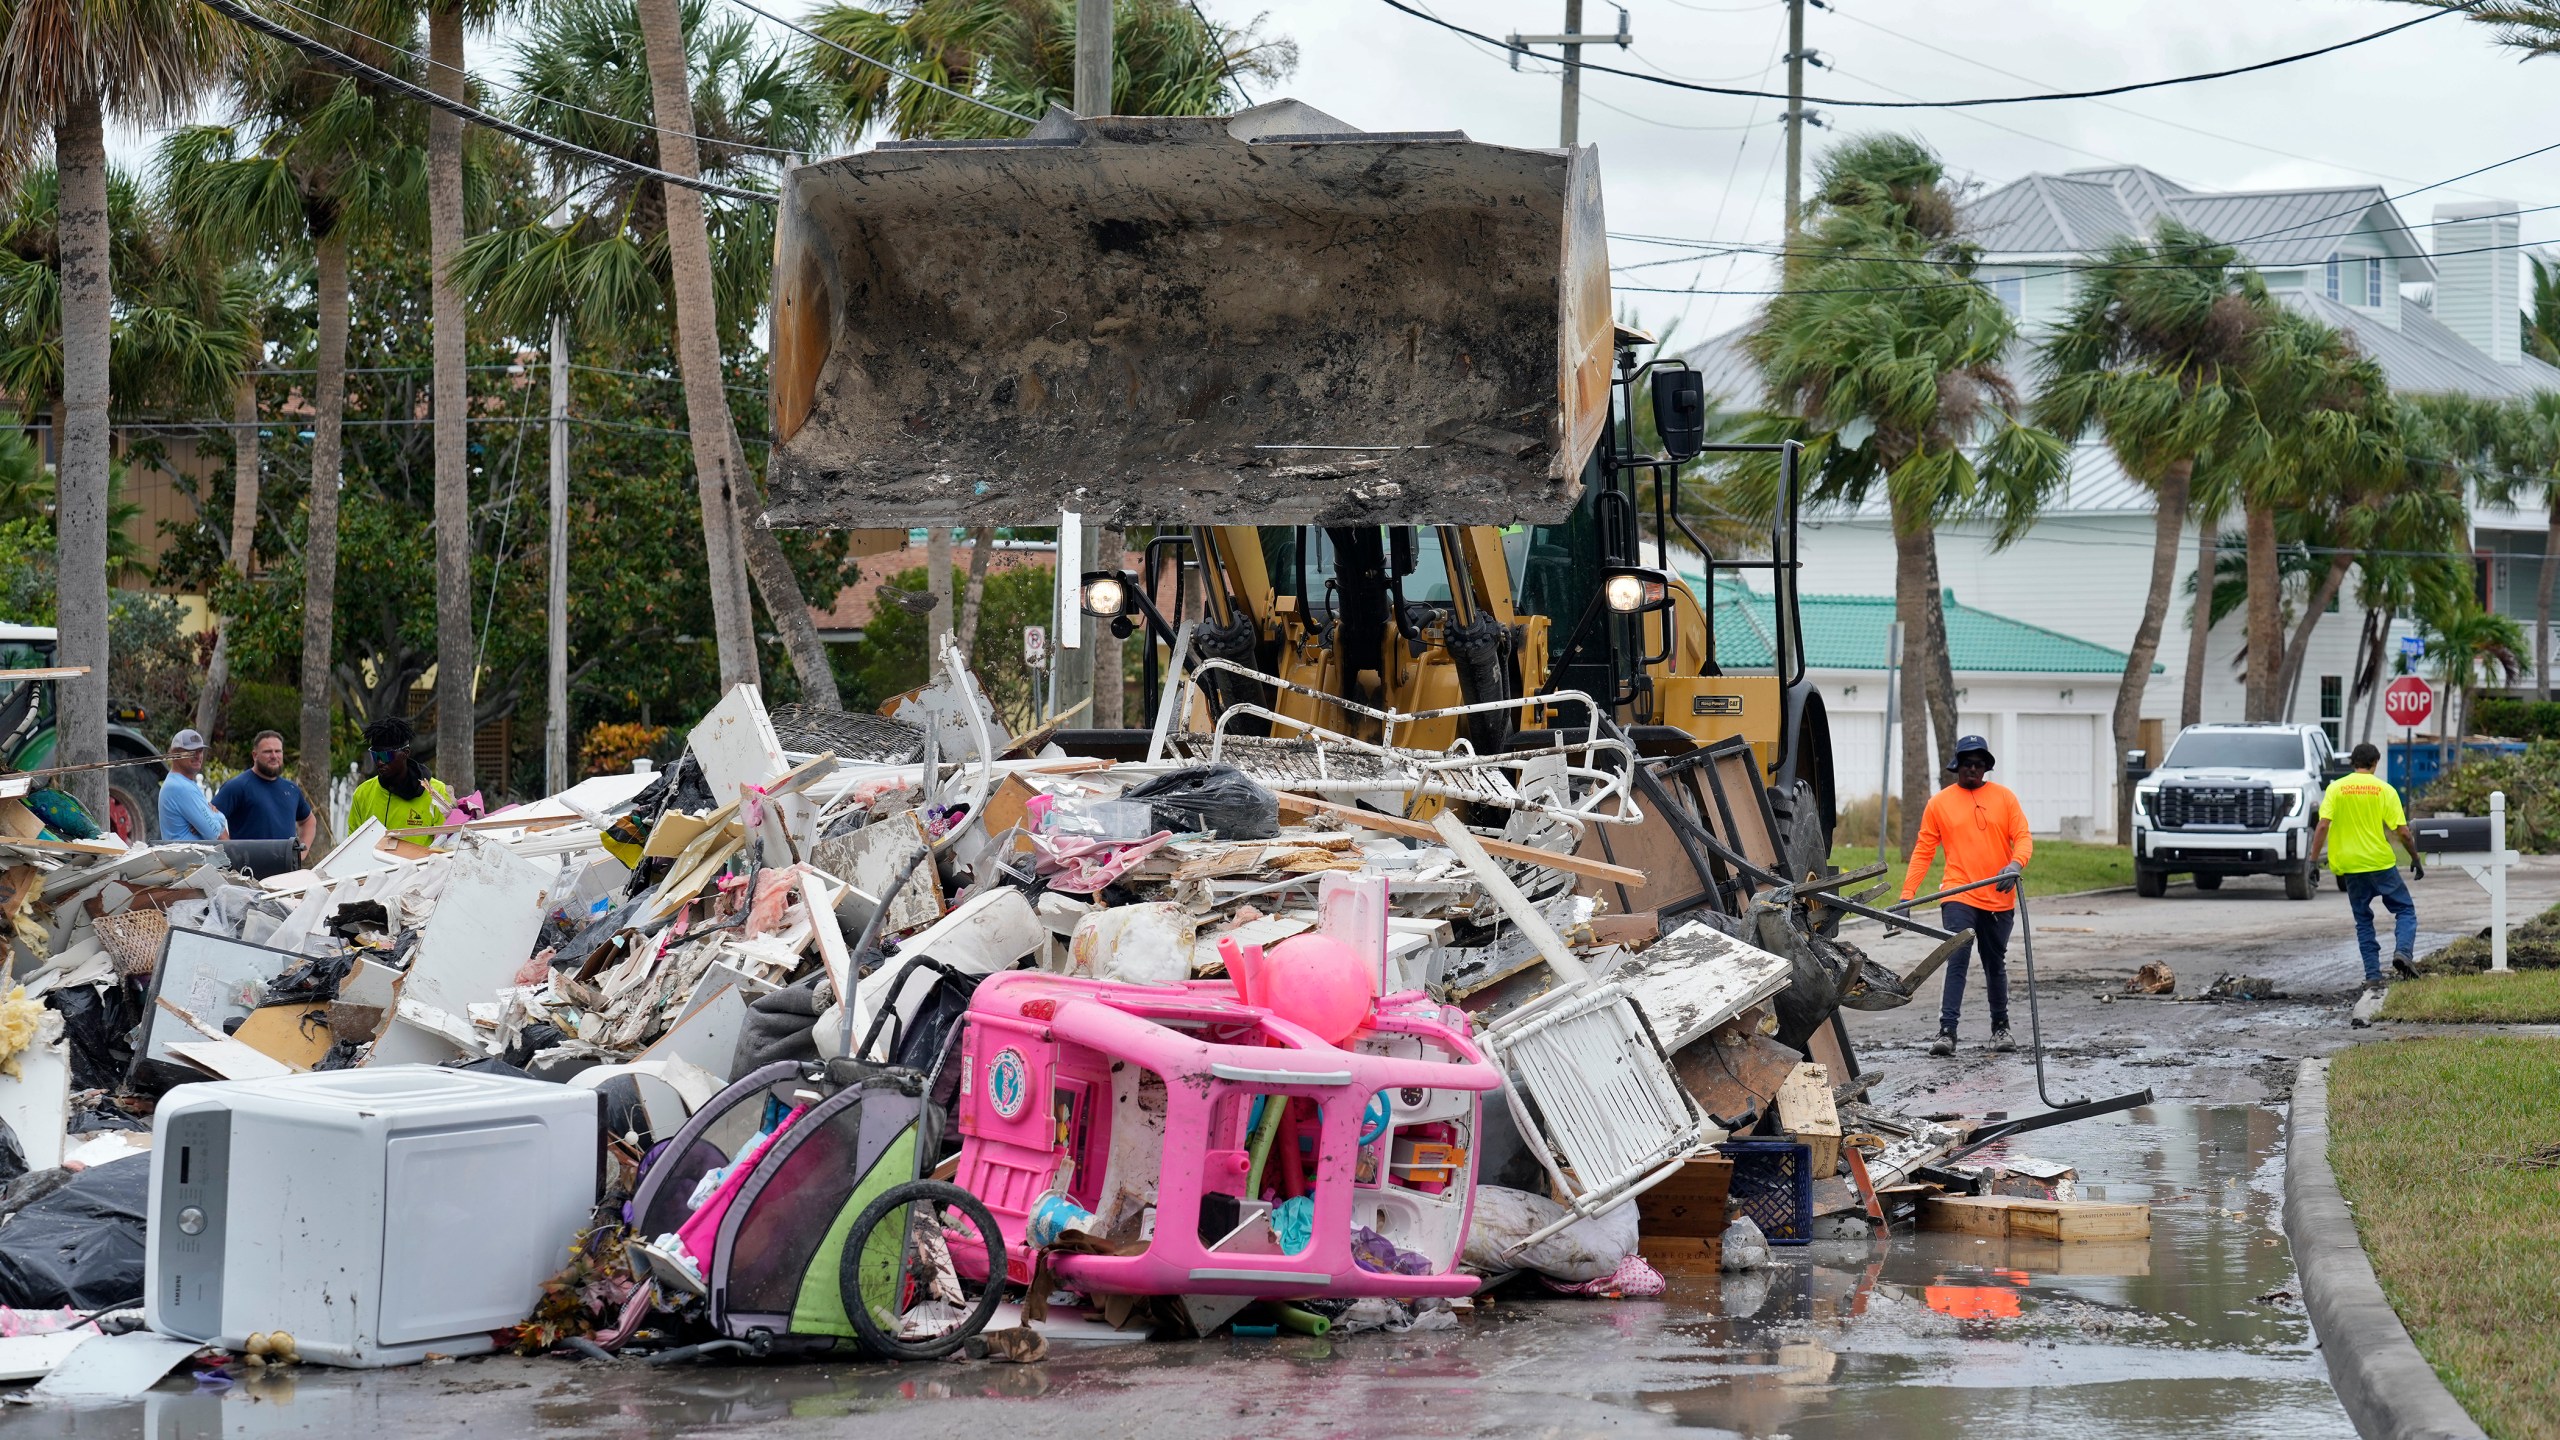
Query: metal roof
(2424,356)
(2084,211)
(1847,632)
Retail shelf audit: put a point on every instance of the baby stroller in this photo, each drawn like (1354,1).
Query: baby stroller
(794,1205)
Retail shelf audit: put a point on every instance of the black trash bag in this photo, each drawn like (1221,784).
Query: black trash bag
(532,1040)
(780,1026)
(313,982)
(13,1156)
(99,1114)
(82,1245)
(98,1024)
(31,1187)
(1218,798)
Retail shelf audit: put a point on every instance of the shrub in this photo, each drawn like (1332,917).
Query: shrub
(609,748)
(2509,718)
(2532,783)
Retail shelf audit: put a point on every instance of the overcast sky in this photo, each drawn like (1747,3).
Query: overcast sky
(2403,111)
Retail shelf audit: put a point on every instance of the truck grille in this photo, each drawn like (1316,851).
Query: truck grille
(2253,807)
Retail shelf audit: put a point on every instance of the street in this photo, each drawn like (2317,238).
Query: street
(2196,1332)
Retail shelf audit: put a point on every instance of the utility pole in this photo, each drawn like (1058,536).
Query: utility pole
(1798,117)
(1079,545)
(555,724)
(1572,40)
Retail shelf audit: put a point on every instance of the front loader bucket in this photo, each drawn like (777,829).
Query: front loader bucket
(1264,318)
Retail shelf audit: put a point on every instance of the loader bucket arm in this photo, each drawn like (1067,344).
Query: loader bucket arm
(1263,318)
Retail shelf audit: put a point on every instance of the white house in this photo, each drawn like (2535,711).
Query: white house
(2343,255)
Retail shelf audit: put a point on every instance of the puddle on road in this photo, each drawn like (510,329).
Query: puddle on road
(1917,1336)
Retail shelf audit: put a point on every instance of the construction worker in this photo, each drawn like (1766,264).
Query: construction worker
(401,794)
(1984,832)
(2359,818)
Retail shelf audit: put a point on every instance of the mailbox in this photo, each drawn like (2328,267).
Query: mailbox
(2452,835)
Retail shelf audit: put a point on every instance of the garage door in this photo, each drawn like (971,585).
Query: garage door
(2052,770)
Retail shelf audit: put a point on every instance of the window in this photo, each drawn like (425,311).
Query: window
(2012,293)
(2234,750)
(2373,282)
(2333,277)
(2333,708)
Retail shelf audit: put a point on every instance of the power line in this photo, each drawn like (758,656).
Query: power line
(340,60)
(2126,89)
(883,64)
(434,64)
(1224,65)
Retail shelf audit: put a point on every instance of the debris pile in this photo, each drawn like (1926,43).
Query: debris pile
(897,1028)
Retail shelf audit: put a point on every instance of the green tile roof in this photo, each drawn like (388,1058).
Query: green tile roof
(1847,632)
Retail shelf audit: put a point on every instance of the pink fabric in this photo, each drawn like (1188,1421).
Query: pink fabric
(702,1229)
(1634,1279)
(1079,866)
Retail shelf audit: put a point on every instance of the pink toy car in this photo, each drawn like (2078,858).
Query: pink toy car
(1187,1123)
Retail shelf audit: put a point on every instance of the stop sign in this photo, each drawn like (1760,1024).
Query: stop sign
(2408,701)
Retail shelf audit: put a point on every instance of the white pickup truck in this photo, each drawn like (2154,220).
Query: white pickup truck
(2233,799)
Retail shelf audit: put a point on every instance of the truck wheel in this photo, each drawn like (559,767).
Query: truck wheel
(2298,884)
(2208,882)
(133,812)
(2148,883)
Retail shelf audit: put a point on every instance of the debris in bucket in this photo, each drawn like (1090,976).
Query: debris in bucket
(997,1051)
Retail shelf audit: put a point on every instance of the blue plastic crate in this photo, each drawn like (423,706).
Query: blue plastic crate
(1773,1184)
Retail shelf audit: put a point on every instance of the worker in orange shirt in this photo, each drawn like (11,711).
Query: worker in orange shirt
(1984,833)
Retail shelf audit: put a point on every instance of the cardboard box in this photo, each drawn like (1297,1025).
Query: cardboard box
(1689,1205)
(1683,1254)
(2009,1216)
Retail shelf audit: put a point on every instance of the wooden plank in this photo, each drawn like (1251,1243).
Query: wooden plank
(45,672)
(1806,1114)
(296,1034)
(1986,1215)
(1415,829)
(2079,1220)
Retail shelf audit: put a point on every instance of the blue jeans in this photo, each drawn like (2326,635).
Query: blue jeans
(2363,888)
(1991,943)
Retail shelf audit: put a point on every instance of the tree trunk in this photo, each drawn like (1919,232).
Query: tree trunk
(1944,722)
(779,584)
(2169,519)
(2200,624)
(2297,651)
(2266,622)
(243,552)
(1913,598)
(1110,670)
(698,344)
(982,541)
(457,657)
(2542,598)
(82,449)
(320,543)
(2381,658)
(937,583)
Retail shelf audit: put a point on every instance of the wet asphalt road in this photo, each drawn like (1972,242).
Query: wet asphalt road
(2193,1332)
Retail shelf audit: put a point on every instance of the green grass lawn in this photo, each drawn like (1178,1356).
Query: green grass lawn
(2520,997)
(2060,867)
(2449,1150)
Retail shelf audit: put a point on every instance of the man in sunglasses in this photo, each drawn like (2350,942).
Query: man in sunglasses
(401,794)
(1983,829)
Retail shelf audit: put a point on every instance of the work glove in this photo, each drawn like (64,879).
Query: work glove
(2417,868)
(2008,877)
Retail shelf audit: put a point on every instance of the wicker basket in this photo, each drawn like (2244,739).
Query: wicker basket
(133,939)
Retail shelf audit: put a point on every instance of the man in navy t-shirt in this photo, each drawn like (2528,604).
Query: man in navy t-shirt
(263,805)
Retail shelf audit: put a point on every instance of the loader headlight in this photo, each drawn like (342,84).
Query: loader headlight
(1104,594)
(1629,591)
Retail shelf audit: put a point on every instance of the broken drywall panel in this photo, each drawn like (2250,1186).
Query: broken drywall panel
(707,1036)
(483,927)
(870,859)
(37,1104)
(1696,978)
(819,896)
(115,1367)
(32,1357)
(228,1059)
(735,744)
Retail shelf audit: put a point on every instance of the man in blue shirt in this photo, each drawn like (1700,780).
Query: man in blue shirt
(261,803)
(184,813)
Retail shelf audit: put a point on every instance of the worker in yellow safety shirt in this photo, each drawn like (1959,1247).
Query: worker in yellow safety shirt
(401,794)
(2360,816)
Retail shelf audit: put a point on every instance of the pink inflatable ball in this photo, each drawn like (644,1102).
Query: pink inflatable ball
(1318,982)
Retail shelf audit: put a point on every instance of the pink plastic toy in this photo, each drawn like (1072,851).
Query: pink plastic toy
(1311,980)
(1159,1108)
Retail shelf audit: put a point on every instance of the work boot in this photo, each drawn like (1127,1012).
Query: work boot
(2001,1042)
(1945,1044)
(2400,962)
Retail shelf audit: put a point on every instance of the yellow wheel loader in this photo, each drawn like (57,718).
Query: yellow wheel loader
(1366,390)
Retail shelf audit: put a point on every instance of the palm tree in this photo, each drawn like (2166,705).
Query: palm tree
(65,66)
(2331,431)
(605,267)
(2542,320)
(2151,354)
(1167,58)
(313,158)
(1898,386)
(2471,645)
(2524,456)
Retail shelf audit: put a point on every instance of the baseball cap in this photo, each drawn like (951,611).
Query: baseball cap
(1966,744)
(187,740)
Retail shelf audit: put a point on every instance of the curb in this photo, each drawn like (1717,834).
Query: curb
(2388,1388)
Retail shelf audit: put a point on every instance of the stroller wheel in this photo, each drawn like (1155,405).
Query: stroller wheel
(904,1275)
